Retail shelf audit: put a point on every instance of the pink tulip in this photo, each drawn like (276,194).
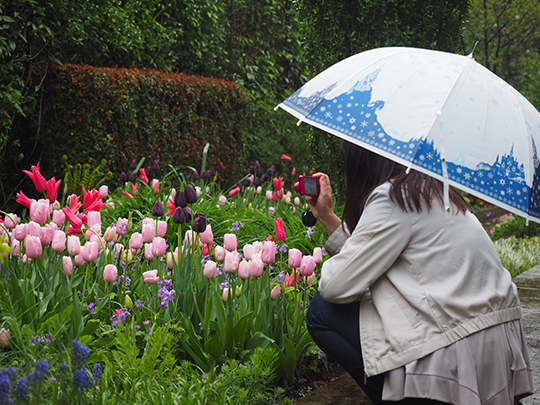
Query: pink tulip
(296,201)
(295,258)
(155,186)
(148,255)
(90,251)
(59,241)
(19,232)
(15,247)
(210,269)
(148,232)
(159,246)
(150,277)
(190,237)
(136,241)
(110,273)
(231,262)
(121,226)
(33,247)
(10,221)
(275,292)
(308,266)
(248,251)
(234,191)
(104,191)
(74,245)
(47,233)
(93,218)
(110,235)
(268,254)
(171,259)
(317,255)
(79,259)
(293,172)
(269,194)
(207,237)
(272,210)
(198,191)
(59,218)
(257,247)
(257,267)
(34,229)
(40,211)
(229,242)
(143,175)
(243,269)
(220,253)
(162,229)
(5,336)
(222,200)
(68,265)
(285,157)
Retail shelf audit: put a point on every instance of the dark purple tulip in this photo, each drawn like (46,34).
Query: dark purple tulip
(199,222)
(195,176)
(246,182)
(132,177)
(252,170)
(191,194)
(256,181)
(122,178)
(155,165)
(158,210)
(257,164)
(206,175)
(269,172)
(265,178)
(133,165)
(149,172)
(179,217)
(180,199)
(274,170)
(187,213)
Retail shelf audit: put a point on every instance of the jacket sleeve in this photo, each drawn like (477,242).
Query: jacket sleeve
(381,235)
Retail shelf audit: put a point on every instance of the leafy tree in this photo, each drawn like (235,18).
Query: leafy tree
(336,29)
(508,36)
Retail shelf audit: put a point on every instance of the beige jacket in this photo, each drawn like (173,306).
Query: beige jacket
(425,280)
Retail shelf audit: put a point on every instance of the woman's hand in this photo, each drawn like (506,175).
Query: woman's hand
(321,206)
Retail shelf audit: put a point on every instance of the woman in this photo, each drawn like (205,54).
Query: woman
(414,302)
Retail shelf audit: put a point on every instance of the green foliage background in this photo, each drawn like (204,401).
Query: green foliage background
(334,30)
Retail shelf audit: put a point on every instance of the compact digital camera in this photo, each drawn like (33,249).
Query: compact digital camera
(307,186)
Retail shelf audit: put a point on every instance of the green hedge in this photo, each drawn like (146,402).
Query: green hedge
(122,114)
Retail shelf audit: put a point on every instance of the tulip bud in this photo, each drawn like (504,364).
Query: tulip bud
(133,165)
(317,255)
(33,247)
(67,264)
(148,251)
(308,266)
(170,263)
(295,258)
(207,237)
(226,294)
(58,241)
(148,232)
(5,336)
(199,222)
(256,268)
(238,290)
(155,186)
(244,269)
(195,176)
(159,246)
(10,221)
(149,171)
(122,178)
(162,228)
(158,210)
(128,302)
(268,254)
(191,194)
(231,262)
(132,177)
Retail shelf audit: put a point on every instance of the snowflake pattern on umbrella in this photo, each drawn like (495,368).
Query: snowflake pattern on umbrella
(353,116)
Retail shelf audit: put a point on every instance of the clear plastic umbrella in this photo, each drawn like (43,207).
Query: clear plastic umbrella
(439,113)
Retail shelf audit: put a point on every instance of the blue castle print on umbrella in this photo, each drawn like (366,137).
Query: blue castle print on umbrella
(355,115)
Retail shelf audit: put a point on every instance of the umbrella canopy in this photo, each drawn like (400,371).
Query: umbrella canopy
(439,113)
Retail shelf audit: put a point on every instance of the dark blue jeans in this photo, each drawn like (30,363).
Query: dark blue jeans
(336,330)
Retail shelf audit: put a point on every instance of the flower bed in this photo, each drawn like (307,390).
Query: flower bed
(165,290)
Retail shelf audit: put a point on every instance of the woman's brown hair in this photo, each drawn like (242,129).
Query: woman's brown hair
(412,191)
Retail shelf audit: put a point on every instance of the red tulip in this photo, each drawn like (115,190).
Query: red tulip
(278,183)
(234,191)
(280,231)
(52,189)
(24,200)
(127,194)
(73,219)
(285,157)
(37,178)
(143,175)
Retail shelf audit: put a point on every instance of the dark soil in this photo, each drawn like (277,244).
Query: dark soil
(312,377)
